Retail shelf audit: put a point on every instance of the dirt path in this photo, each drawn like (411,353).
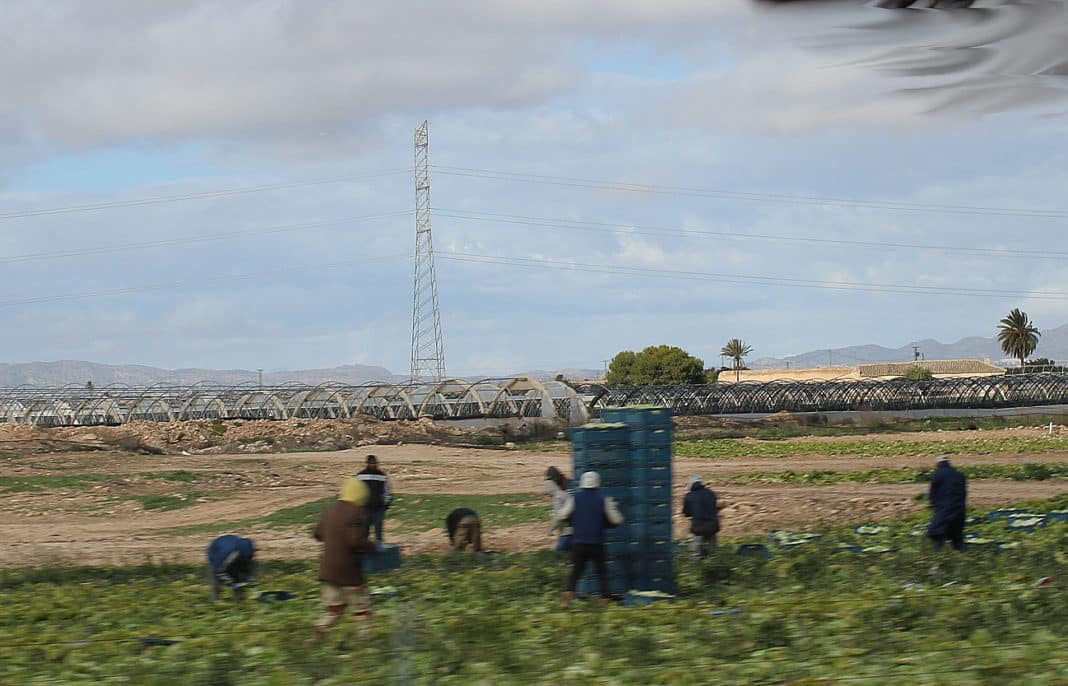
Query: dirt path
(100,524)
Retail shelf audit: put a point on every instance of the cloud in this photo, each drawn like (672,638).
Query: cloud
(296,77)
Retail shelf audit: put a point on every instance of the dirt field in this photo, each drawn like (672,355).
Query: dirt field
(90,507)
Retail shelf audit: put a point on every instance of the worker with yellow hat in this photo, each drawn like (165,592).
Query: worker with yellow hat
(342,582)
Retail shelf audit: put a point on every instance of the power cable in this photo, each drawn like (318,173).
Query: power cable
(138,202)
(594,184)
(744,279)
(638,229)
(197,239)
(199,282)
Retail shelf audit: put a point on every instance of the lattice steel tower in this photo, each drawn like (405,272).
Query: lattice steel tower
(428,354)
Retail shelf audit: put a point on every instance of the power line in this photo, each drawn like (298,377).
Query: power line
(196,239)
(638,229)
(744,195)
(194,196)
(745,279)
(198,282)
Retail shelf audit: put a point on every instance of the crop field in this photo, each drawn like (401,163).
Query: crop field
(814,613)
(99,550)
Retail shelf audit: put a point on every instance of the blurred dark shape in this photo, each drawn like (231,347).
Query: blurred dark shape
(987,55)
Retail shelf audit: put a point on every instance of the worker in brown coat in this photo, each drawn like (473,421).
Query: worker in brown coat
(341,576)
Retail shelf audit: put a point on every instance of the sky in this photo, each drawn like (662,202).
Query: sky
(210,184)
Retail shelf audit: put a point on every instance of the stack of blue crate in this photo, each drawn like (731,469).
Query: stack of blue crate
(605,449)
(649,508)
(632,452)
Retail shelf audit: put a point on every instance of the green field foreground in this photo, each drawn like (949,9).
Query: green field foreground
(813,614)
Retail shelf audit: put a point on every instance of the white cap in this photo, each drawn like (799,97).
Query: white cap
(695,479)
(590,480)
(943,458)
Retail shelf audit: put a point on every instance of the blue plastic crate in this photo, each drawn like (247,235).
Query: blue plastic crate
(638,530)
(648,457)
(603,453)
(649,568)
(652,549)
(386,559)
(638,415)
(591,434)
(657,490)
(645,474)
(652,437)
(655,511)
(611,475)
(665,584)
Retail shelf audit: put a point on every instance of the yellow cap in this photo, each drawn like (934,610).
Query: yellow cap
(354,491)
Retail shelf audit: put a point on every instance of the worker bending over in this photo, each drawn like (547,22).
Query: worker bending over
(464,528)
(231,563)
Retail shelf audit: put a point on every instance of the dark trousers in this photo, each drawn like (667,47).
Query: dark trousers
(581,553)
(952,530)
(376,518)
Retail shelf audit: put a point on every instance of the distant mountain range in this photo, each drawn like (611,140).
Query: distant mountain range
(78,372)
(1053,345)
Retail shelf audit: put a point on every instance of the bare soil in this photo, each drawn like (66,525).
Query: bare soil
(103,523)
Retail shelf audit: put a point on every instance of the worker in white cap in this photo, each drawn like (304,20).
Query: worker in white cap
(590,513)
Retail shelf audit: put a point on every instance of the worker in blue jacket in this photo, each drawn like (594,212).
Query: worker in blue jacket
(948,496)
(590,513)
(231,563)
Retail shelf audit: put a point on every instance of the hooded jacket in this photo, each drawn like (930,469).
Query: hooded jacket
(701,507)
(561,498)
(948,496)
(341,530)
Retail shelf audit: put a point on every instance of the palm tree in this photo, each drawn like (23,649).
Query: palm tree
(1017,335)
(736,349)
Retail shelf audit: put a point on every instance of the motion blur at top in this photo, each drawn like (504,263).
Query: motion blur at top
(982,56)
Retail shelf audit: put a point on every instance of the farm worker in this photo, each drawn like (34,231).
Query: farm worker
(380,499)
(948,496)
(464,528)
(590,513)
(556,488)
(341,530)
(231,562)
(702,507)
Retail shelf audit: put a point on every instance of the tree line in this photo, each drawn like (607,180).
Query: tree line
(671,365)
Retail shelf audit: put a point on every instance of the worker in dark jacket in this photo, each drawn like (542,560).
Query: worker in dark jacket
(948,496)
(380,499)
(464,528)
(341,577)
(231,563)
(702,507)
(590,513)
